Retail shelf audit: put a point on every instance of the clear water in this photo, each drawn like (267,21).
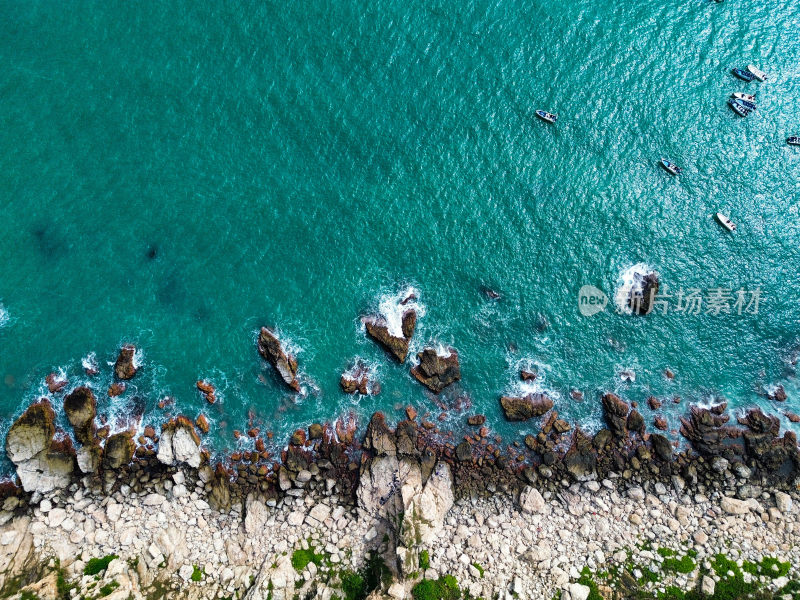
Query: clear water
(294,164)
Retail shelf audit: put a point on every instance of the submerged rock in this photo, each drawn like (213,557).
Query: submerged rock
(378,329)
(525,407)
(80,406)
(55,383)
(270,348)
(436,371)
(358,379)
(125,367)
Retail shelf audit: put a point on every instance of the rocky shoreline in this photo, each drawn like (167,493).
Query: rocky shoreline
(402,508)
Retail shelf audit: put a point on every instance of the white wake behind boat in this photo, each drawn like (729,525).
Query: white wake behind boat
(743,96)
(726,222)
(759,74)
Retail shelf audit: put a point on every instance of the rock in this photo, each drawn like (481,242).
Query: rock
(778,394)
(116,389)
(396,345)
(705,429)
(406,438)
(379,438)
(526,407)
(707,585)
(576,395)
(531,501)
(118,451)
(654,403)
(80,407)
(208,390)
(601,439)
(46,471)
(643,291)
(125,367)
(275,581)
(635,422)
(732,506)
(315,431)
(55,383)
(783,501)
(31,433)
(271,350)
(437,371)
(720,464)
(661,447)
(793,417)
(89,457)
(616,412)
(476,420)
(581,460)
(219,490)
(202,423)
(527,375)
(179,443)
(660,423)
(578,591)
(358,379)
(464,452)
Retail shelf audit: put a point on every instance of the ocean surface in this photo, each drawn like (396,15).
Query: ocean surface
(177,175)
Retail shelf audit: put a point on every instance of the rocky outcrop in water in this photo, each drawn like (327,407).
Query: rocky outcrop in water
(179,443)
(285,364)
(80,407)
(645,288)
(706,430)
(358,379)
(118,450)
(125,367)
(525,407)
(436,371)
(615,411)
(42,462)
(396,345)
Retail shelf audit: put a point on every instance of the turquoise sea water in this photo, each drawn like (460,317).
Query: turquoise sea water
(178,174)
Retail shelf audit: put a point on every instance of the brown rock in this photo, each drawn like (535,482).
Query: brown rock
(150,432)
(315,431)
(118,451)
(616,412)
(260,445)
(660,423)
(284,364)
(55,383)
(356,379)
(202,423)
(117,389)
(437,372)
(525,375)
(521,409)
(253,432)
(779,394)
(298,437)
(576,395)
(669,374)
(654,403)
(80,407)
(397,346)
(125,368)
(411,413)
(561,426)
(794,418)
(476,420)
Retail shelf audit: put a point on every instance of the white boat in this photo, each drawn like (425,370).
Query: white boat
(726,222)
(759,74)
(743,96)
(549,117)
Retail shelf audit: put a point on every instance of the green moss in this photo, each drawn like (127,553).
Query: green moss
(28,595)
(133,563)
(197,573)
(354,585)
(773,568)
(479,568)
(666,552)
(444,588)
(672,592)
(684,565)
(98,565)
(424,560)
(108,588)
(587,580)
(301,558)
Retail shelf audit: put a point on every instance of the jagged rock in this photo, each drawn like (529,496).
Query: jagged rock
(80,407)
(581,460)
(315,431)
(476,420)
(358,378)
(55,383)
(654,403)
(601,439)
(46,471)
(778,394)
(202,423)
(521,409)
(208,390)
(616,412)
(661,446)
(219,490)
(31,433)
(380,481)
(531,501)
(406,438)
(660,422)
(705,429)
(464,452)
(436,371)
(270,348)
(179,443)
(275,581)
(643,292)
(526,375)
(125,367)
(378,329)
(379,438)
(635,422)
(89,457)
(758,422)
(118,451)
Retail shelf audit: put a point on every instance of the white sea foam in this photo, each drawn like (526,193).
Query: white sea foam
(393,306)
(630,281)
(4,317)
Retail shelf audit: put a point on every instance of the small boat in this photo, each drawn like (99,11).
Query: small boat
(726,222)
(757,73)
(793,141)
(747,104)
(742,96)
(671,167)
(549,117)
(738,108)
(745,75)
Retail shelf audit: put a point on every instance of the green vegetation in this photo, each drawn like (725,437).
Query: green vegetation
(197,573)
(679,565)
(301,558)
(97,565)
(479,568)
(424,560)
(28,595)
(108,588)
(444,588)
(587,580)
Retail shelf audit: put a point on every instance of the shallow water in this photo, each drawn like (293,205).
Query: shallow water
(178,175)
